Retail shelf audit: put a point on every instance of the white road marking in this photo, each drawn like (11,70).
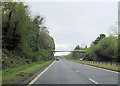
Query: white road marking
(70,66)
(77,71)
(93,81)
(29,84)
(102,69)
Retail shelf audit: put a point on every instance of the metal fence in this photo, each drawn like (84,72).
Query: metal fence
(103,62)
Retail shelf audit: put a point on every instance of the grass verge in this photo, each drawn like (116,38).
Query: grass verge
(111,67)
(19,74)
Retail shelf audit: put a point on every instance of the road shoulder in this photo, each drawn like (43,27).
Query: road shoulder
(99,67)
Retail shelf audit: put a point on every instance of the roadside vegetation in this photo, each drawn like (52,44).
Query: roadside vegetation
(103,48)
(24,39)
(26,43)
(108,66)
(57,57)
(21,73)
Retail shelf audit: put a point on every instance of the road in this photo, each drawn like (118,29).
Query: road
(67,72)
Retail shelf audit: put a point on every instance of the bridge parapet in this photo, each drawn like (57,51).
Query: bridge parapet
(82,51)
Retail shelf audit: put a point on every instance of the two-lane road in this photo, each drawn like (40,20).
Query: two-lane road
(67,72)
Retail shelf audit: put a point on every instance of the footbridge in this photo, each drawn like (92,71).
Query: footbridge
(81,51)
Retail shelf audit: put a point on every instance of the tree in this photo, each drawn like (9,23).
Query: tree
(77,55)
(90,53)
(9,26)
(106,49)
(118,58)
(113,30)
(99,38)
(25,35)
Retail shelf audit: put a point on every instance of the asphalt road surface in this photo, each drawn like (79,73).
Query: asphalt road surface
(67,72)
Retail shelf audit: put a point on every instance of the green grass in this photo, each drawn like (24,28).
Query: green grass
(108,66)
(19,74)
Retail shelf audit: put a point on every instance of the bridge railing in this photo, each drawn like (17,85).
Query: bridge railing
(82,51)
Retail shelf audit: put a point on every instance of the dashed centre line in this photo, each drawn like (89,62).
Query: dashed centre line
(93,81)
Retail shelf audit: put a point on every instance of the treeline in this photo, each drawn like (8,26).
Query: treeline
(76,55)
(102,49)
(24,37)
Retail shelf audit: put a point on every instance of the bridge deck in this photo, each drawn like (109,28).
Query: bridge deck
(82,51)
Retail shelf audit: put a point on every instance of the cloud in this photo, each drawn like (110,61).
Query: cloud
(62,46)
(61,53)
(71,24)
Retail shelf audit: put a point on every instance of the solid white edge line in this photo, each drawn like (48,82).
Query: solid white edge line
(31,82)
(93,81)
(101,68)
(98,68)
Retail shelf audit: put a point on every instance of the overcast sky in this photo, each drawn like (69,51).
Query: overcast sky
(75,23)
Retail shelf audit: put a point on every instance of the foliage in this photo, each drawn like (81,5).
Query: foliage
(90,53)
(118,58)
(76,55)
(102,49)
(106,66)
(24,36)
(99,38)
(105,50)
(18,74)
(113,30)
